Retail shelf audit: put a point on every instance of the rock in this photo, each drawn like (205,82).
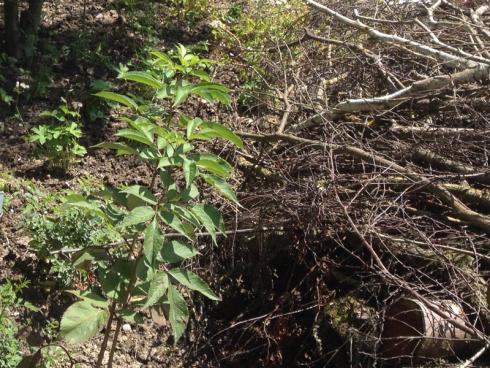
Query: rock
(126,327)
(108,18)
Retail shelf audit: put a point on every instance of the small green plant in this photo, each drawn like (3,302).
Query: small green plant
(191,11)
(4,96)
(259,25)
(10,347)
(94,109)
(59,143)
(56,231)
(150,268)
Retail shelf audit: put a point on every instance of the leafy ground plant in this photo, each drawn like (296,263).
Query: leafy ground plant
(56,231)
(157,221)
(10,347)
(59,143)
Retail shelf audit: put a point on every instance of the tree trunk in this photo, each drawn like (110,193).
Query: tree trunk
(12,34)
(29,21)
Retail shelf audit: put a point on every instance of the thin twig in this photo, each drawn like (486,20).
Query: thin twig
(177,235)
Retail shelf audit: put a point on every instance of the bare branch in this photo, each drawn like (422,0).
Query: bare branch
(449,59)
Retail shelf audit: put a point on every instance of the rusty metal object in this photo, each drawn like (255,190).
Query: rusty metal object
(411,330)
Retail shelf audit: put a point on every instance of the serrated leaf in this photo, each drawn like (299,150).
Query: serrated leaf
(214,165)
(116,97)
(190,171)
(134,135)
(215,130)
(222,187)
(81,321)
(158,288)
(141,77)
(210,217)
(213,92)
(174,222)
(111,284)
(131,316)
(137,216)
(193,282)
(190,193)
(115,279)
(162,57)
(153,241)
(178,312)
(182,91)
(121,148)
(90,297)
(83,258)
(200,74)
(164,92)
(190,124)
(134,202)
(176,251)
(142,193)
(185,214)
(167,180)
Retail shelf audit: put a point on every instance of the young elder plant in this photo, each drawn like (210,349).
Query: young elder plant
(147,269)
(59,143)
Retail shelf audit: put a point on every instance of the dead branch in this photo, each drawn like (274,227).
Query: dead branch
(448,58)
(459,208)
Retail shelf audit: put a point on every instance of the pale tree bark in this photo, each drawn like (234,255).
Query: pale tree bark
(472,68)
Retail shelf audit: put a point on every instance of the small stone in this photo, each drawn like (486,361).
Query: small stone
(126,327)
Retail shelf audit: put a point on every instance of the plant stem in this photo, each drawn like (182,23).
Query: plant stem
(114,342)
(103,347)
(155,175)
(126,299)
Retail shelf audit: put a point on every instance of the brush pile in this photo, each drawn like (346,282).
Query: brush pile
(369,179)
